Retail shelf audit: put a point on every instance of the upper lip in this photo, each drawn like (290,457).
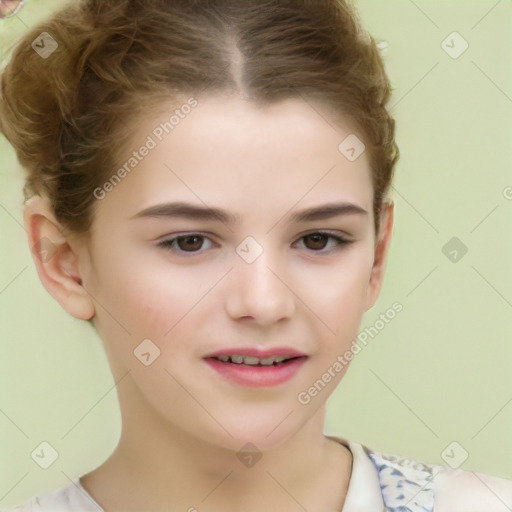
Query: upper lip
(256,352)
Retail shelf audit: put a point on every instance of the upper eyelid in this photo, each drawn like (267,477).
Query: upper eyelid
(326,232)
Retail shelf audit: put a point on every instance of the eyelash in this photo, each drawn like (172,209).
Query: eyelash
(168,243)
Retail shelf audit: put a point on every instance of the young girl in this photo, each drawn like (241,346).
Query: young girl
(208,186)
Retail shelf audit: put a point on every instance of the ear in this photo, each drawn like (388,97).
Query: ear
(381,252)
(55,259)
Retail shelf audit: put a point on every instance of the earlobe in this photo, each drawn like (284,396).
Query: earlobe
(381,252)
(55,259)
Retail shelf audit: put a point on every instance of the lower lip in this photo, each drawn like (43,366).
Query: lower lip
(257,376)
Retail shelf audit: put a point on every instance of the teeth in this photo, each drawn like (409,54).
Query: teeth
(253,361)
(273,359)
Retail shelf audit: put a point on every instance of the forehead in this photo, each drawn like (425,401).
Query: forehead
(227,150)
(233,123)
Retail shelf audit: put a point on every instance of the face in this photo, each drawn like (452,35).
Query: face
(259,281)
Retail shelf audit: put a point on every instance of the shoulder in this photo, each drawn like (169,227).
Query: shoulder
(415,486)
(467,491)
(71,498)
(24,507)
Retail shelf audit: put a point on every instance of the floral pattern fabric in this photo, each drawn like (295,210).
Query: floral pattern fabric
(406,485)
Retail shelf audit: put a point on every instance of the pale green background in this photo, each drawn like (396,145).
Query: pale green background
(439,372)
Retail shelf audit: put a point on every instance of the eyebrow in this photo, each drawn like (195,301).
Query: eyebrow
(195,212)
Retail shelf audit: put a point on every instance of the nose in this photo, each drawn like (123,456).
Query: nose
(260,291)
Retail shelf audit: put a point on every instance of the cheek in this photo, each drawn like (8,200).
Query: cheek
(156,306)
(144,294)
(337,294)
(145,308)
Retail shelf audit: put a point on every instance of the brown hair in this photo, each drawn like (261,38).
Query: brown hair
(68,114)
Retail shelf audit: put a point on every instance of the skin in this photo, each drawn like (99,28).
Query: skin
(183,424)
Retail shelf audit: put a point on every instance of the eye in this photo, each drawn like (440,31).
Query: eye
(190,243)
(318,240)
(193,242)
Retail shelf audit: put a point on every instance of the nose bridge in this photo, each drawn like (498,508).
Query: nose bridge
(259,288)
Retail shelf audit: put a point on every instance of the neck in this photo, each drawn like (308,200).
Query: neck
(156,464)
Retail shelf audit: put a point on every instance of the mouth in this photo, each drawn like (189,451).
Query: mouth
(254,361)
(262,370)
